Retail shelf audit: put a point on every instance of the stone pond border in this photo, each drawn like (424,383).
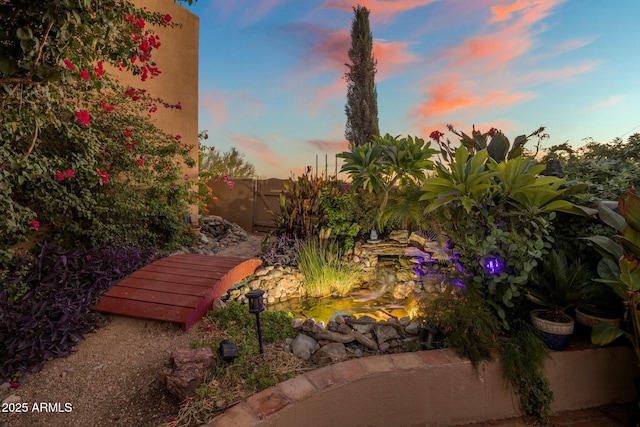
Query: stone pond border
(430,388)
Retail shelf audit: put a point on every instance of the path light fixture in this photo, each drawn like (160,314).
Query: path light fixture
(428,335)
(228,351)
(256,305)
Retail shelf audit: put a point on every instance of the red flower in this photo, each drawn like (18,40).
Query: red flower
(35,224)
(178,137)
(127,132)
(166,18)
(59,176)
(83,117)
(108,108)
(88,257)
(104,175)
(98,70)
(206,136)
(69,64)
(140,23)
(15,385)
(84,74)
(436,135)
(492,132)
(140,162)
(70,173)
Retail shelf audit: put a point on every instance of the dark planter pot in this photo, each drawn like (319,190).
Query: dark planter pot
(585,321)
(556,335)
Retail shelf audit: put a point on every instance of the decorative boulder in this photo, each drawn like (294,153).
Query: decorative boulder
(330,353)
(189,367)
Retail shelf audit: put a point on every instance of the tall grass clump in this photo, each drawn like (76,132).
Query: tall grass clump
(323,271)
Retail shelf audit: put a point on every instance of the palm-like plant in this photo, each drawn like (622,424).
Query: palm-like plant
(387,161)
(559,285)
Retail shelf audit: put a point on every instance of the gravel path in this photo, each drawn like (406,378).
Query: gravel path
(111,380)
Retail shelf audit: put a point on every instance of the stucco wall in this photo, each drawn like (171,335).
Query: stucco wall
(177,58)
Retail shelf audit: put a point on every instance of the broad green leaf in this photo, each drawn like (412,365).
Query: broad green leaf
(606,246)
(603,333)
(611,218)
(630,273)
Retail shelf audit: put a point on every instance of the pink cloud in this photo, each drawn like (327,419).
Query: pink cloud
(329,146)
(612,100)
(259,149)
(488,65)
(392,57)
(218,103)
(382,8)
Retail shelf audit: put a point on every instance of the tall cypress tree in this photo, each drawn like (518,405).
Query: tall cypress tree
(362,98)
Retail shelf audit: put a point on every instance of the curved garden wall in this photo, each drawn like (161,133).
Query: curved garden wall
(430,388)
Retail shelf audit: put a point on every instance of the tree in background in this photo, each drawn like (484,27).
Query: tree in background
(230,163)
(362,102)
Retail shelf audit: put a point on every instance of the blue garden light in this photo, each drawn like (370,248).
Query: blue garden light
(494,265)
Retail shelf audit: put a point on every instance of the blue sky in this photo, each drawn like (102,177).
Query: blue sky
(271,72)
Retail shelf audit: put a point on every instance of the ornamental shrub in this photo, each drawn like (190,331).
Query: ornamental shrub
(81,162)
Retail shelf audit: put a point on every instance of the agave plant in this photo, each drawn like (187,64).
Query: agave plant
(620,267)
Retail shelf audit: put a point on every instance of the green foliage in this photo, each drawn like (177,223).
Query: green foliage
(340,215)
(522,357)
(558,285)
(323,270)
(609,169)
(362,98)
(495,212)
(387,161)
(80,160)
(620,267)
(231,163)
(465,324)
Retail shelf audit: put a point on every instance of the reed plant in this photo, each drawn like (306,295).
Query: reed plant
(324,272)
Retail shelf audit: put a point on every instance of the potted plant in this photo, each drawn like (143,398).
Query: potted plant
(557,285)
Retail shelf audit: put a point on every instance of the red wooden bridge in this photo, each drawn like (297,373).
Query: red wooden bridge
(178,288)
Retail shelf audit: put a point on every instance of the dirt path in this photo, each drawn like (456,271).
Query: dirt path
(112,379)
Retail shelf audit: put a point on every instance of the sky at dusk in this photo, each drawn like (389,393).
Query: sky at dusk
(272,72)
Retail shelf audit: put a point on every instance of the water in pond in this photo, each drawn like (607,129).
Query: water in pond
(360,303)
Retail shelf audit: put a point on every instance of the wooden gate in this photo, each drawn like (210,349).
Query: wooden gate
(248,203)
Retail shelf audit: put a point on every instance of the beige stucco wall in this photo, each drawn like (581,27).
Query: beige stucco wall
(177,58)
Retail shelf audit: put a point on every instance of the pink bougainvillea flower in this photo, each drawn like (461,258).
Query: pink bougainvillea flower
(83,117)
(209,328)
(206,136)
(108,108)
(178,137)
(166,18)
(88,257)
(70,173)
(59,176)
(84,75)
(436,135)
(69,64)
(127,132)
(99,70)
(140,162)
(230,184)
(104,176)
(140,23)
(35,224)
(129,147)
(15,385)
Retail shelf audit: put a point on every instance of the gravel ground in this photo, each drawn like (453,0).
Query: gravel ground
(111,380)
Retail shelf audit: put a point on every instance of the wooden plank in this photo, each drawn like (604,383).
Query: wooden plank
(171,278)
(145,310)
(185,271)
(166,298)
(178,288)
